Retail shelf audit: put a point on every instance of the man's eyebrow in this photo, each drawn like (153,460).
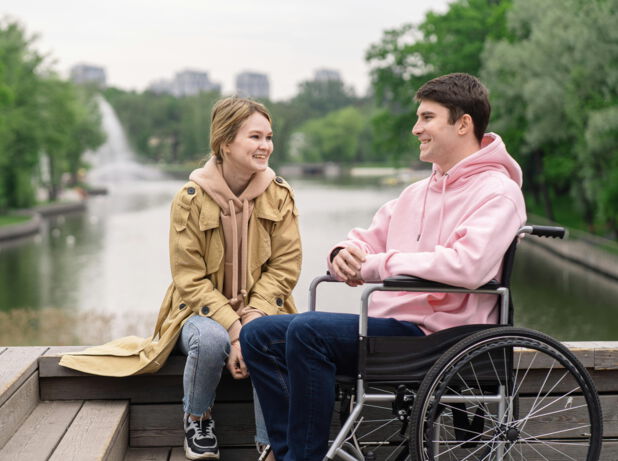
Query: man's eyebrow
(426,112)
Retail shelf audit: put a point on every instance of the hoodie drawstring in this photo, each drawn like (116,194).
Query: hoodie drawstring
(442,205)
(420,229)
(239,295)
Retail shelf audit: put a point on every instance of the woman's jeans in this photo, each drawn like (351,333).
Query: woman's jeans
(293,360)
(207,345)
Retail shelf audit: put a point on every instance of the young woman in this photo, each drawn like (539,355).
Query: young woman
(235,255)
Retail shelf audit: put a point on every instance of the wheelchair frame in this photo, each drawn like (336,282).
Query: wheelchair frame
(341,449)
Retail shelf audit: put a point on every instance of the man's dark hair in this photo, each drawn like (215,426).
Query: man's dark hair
(461,94)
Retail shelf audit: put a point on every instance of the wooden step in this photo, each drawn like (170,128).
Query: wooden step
(37,438)
(60,383)
(178,454)
(19,387)
(99,431)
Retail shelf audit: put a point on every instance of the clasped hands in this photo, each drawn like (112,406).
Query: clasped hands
(347,265)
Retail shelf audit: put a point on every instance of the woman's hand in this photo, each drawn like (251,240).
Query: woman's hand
(235,362)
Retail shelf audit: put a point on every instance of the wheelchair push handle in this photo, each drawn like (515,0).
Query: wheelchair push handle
(545,231)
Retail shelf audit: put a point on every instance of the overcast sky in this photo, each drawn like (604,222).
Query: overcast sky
(138,41)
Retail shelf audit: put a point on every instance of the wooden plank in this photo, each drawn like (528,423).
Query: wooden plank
(561,422)
(139,389)
(16,409)
(147,454)
(161,425)
(96,433)
(39,435)
(17,364)
(49,367)
(526,358)
(232,454)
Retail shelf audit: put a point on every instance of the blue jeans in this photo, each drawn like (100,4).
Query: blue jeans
(207,345)
(293,360)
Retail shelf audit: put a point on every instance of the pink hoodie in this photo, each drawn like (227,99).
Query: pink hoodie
(452,228)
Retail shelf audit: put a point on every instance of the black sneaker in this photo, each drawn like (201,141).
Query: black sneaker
(200,439)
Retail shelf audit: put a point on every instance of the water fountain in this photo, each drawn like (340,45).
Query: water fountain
(115,161)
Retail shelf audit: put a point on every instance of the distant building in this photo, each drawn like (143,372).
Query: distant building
(88,74)
(325,75)
(161,86)
(185,83)
(192,82)
(253,85)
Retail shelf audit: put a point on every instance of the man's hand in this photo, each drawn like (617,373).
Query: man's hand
(236,364)
(347,265)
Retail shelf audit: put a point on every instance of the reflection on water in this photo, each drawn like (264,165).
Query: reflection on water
(562,299)
(96,275)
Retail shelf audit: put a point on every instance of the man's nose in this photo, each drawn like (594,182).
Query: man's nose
(416,129)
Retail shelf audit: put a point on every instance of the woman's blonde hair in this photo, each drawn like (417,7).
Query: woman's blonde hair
(226,118)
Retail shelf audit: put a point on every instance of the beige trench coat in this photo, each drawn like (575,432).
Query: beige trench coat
(197,265)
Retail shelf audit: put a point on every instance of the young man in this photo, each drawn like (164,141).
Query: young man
(453,227)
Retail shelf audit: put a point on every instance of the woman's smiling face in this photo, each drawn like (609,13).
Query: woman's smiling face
(250,150)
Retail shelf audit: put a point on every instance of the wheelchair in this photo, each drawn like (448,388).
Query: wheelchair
(468,393)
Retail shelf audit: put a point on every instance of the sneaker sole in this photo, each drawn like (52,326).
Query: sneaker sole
(191,455)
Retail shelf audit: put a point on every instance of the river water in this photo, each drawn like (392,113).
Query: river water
(92,276)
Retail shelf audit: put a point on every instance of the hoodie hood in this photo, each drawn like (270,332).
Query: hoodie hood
(210,179)
(492,156)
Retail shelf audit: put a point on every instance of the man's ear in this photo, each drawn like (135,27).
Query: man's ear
(466,124)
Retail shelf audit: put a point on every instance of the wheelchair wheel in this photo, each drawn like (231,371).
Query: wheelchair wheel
(507,394)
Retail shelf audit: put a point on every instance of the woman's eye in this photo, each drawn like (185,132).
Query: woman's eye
(269,138)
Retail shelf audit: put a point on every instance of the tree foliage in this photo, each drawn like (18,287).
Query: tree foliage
(40,117)
(335,137)
(408,56)
(555,95)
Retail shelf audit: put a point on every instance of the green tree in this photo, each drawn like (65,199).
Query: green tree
(555,90)
(41,116)
(408,56)
(334,137)
(20,127)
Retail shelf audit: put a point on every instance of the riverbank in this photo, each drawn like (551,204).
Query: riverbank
(590,251)
(35,219)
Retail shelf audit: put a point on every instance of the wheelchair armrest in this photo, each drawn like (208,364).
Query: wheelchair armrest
(409,281)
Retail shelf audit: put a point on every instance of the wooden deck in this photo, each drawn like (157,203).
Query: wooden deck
(48,412)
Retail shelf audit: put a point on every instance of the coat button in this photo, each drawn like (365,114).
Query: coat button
(205,310)
(279,179)
(279,302)
(191,190)
(182,306)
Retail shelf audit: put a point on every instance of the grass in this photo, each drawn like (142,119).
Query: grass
(9,220)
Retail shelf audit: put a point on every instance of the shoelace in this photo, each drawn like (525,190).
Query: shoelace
(205,428)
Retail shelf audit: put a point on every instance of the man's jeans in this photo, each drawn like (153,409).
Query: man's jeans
(293,360)
(207,345)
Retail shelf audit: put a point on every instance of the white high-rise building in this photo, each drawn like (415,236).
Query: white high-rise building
(325,75)
(191,82)
(88,74)
(253,85)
